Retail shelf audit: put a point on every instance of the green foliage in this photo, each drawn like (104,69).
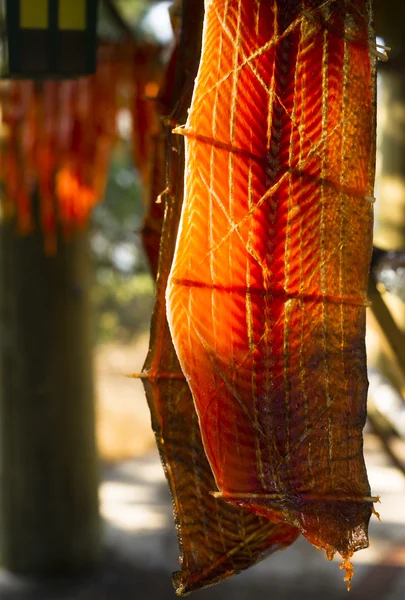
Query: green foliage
(123,290)
(124,305)
(119,217)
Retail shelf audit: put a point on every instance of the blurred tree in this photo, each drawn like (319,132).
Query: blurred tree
(55,152)
(390,208)
(48,476)
(390,182)
(54,156)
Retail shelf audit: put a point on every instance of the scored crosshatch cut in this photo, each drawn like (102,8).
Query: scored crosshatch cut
(267,292)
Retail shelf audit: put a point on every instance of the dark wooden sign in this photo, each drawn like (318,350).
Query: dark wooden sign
(46,39)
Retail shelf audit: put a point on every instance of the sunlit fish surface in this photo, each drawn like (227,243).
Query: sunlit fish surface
(267,292)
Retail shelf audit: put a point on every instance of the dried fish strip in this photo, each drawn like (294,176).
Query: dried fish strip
(216,539)
(267,293)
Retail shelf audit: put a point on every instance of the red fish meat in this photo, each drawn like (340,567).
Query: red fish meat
(267,292)
(216,539)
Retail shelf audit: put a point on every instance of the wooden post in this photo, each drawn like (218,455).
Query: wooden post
(49,520)
(390,188)
(390,207)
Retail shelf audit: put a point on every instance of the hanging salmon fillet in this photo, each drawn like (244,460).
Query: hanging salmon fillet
(146,78)
(152,225)
(153,222)
(216,539)
(267,292)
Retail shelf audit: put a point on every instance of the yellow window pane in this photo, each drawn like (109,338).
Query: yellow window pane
(72,14)
(34,14)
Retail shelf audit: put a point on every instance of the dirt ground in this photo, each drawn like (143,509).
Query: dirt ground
(140,549)
(140,546)
(122,415)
